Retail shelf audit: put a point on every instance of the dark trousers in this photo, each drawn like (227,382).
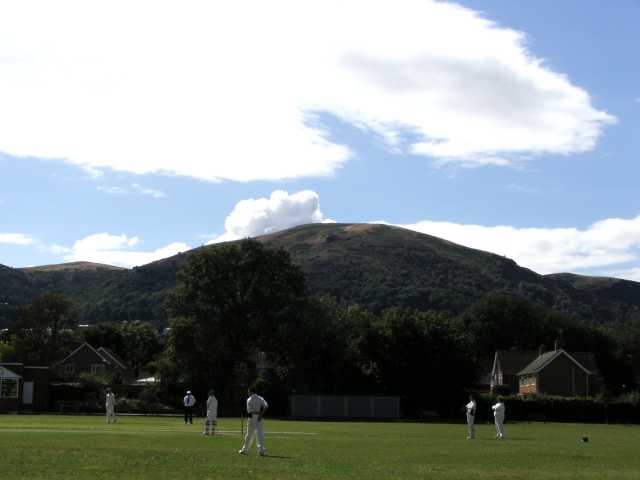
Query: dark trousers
(188,414)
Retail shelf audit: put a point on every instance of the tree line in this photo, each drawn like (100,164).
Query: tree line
(242,312)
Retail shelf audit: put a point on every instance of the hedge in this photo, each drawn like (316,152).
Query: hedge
(562,409)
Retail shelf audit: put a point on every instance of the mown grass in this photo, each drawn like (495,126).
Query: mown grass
(68,447)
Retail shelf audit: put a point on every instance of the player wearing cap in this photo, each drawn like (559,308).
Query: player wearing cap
(188,401)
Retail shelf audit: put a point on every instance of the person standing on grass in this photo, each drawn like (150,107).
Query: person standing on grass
(188,401)
(498,414)
(471,415)
(110,406)
(212,414)
(256,407)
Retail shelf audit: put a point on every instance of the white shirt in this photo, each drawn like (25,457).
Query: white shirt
(212,403)
(471,407)
(255,404)
(189,400)
(110,400)
(498,409)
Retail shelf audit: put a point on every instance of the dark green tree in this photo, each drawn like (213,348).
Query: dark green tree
(503,321)
(141,344)
(323,354)
(232,301)
(104,334)
(419,355)
(44,329)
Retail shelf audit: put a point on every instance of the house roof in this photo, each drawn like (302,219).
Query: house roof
(546,358)
(105,352)
(588,360)
(510,362)
(6,373)
(82,346)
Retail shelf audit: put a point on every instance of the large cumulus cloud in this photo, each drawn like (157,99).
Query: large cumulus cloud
(233,90)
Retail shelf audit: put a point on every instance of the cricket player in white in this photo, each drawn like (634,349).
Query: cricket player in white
(471,415)
(110,406)
(498,414)
(212,414)
(256,406)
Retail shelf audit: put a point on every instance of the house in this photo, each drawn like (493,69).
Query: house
(559,372)
(506,366)
(86,359)
(23,387)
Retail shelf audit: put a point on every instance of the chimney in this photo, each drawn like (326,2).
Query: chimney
(555,345)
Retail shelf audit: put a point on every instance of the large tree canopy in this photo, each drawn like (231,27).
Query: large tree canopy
(232,301)
(41,328)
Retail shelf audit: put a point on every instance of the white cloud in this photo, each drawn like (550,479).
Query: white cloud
(92,172)
(113,190)
(516,187)
(260,216)
(135,188)
(148,191)
(231,90)
(116,250)
(604,244)
(16,239)
(628,274)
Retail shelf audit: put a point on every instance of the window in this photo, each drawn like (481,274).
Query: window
(8,388)
(528,381)
(69,367)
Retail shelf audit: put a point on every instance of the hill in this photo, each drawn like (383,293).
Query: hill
(72,266)
(374,265)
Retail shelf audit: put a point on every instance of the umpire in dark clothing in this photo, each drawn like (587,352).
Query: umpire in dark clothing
(189,401)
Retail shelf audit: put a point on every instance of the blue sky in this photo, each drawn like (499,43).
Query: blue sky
(506,126)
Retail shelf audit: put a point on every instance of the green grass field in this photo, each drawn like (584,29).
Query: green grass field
(56,447)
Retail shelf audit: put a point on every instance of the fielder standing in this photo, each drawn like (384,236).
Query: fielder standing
(212,414)
(188,401)
(256,407)
(110,406)
(498,413)
(471,415)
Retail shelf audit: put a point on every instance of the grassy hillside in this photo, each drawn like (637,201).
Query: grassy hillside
(374,265)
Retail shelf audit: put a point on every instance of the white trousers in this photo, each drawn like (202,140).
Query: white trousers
(254,429)
(471,424)
(111,415)
(499,426)
(210,422)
